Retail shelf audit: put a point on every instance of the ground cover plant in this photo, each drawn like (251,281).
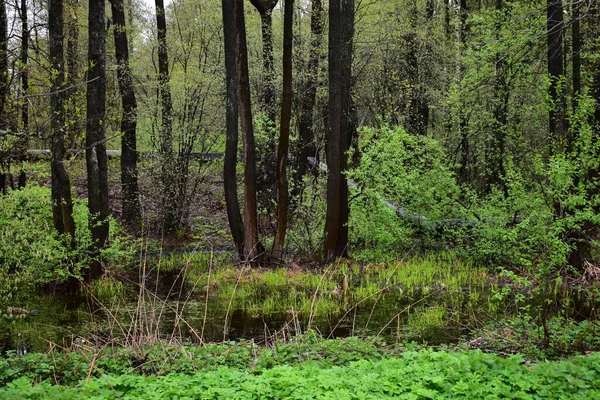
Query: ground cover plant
(376,374)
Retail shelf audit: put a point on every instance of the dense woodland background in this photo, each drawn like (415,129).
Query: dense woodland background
(358,128)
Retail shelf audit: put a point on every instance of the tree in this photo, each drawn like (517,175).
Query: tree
(308,96)
(284,136)
(4,83)
(96,159)
(24,56)
(265,9)
(231,144)
(4,73)
(129,175)
(62,205)
(253,249)
(266,180)
(341,32)
(170,217)
(554,51)
(74,66)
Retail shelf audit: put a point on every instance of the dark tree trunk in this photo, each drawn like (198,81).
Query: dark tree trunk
(129,179)
(265,9)
(576,49)
(267,160)
(4,73)
(62,205)
(74,92)
(24,56)
(557,115)
(24,62)
(96,159)
(253,249)
(341,30)
(170,218)
(348,121)
(307,146)
(229,171)
(284,137)
(583,236)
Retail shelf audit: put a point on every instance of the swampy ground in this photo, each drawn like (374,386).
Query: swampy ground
(182,308)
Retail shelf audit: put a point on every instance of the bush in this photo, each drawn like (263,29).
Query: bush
(32,252)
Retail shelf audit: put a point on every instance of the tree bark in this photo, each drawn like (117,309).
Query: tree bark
(284,137)
(74,92)
(253,249)
(24,62)
(4,73)
(62,205)
(266,182)
(231,144)
(96,160)
(341,30)
(307,146)
(170,220)
(265,9)
(129,179)
(557,114)
(24,58)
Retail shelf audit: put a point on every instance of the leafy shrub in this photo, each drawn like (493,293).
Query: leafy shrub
(30,249)
(409,173)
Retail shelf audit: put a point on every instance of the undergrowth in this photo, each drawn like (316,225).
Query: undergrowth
(237,372)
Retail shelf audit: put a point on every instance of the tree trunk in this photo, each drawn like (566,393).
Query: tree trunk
(170,221)
(284,137)
(267,160)
(557,115)
(24,61)
(74,93)
(96,159)
(253,250)
(229,171)
(4,73)
(265,9)
(129,179)
(62,205)
(341,30)
(307,146)
(24,56)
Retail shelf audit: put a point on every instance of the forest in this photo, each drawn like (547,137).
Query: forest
(291,199)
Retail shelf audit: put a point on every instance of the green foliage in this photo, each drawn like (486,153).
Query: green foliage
(407,171)
(31,251)
(411,375)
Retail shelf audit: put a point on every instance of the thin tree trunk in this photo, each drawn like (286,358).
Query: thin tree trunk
(557,115)
(267,159)
(265,9)
(229,171)
(129,179)
(170,221)
(62,205)
(24,56)
(74,92)
(307,145)
(24,62)
(4,73)
(97,168)
(284,137)
(253,250)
